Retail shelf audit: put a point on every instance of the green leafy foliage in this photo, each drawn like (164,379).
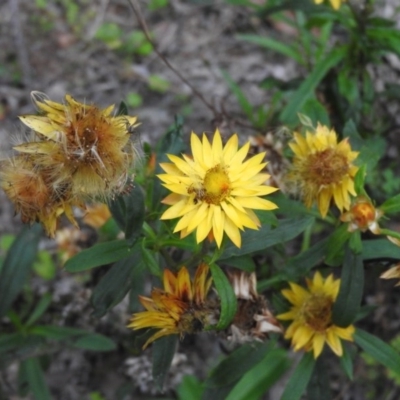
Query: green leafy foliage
(16,266)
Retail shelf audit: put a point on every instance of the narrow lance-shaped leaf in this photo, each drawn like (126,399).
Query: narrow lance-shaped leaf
(348,302)
(163,353)
(378,350)
(308,86)
(34,376)
(115,284)
(99,254)
(300,378)
(17,265)
(226,294)
(241,360)
(129,212)
(261,377)
(253,240)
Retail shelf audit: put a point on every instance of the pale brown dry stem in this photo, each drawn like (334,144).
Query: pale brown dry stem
(137,11)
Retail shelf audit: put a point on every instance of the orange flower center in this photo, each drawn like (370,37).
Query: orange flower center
(215,187)
(363,214)
(327,167)
(317,311)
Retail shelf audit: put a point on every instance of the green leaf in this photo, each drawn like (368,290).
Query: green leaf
(99,254)
(34,376)
(298,382)
(380,249)
(122,109)
(318,387)
(261,377)
(11,341)
(190,388)
(240,361)
(17,265)
(276,45)
(314,110)
(150,259)
(95,342)
(265,237)
(336,242)
(115,284)
(163,353)
(392,205)
(348,302)
(346,361)
(378,350)
(301,264)
(129,212)
(245,263)
(57,332)
(306,89)
(40,308)
(226,294)
(359,180)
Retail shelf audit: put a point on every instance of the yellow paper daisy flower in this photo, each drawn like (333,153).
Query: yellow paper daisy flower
(216,191)
(179,308)
(335,3)
(81,143)
(311,314)
(323,169)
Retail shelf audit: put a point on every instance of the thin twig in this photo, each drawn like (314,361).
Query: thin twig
(136,9)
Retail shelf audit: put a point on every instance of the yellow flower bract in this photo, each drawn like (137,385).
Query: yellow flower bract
(323,169)
(179,308)
(311,314)
(216,190)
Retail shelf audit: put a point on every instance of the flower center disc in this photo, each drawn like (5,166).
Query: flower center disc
(327,167)
(317,312)
(216,186)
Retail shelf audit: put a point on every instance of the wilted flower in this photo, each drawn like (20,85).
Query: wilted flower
(178,309)
(311,314)
(363,216)
(216,191)
(81,144)
(335,3)
(392,273)
(34,194)
(323,169)
(253,320)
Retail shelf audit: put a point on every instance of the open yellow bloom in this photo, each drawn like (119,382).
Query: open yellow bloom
(335,3)
(312,316)
(323,169)
(82,144)
(178,309)
(216,191)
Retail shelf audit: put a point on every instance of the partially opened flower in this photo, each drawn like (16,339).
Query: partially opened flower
(216,191)
(323,169)
(81,143)
(335,3)
(178,309)
(363,216)
(311,316)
